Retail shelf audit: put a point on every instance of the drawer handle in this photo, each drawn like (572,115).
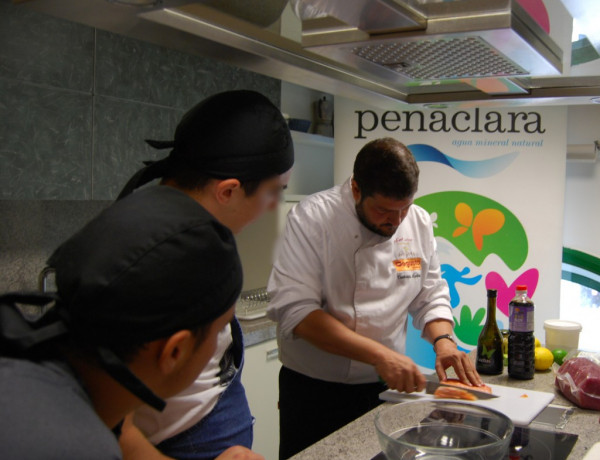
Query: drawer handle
(273,354)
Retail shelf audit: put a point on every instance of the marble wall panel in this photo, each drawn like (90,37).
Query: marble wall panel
(31,231)
(65,141)
(45,142)
(135,70)
(120,128)
(41,49)
(138,71)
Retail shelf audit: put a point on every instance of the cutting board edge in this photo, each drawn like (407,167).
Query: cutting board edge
(518,419)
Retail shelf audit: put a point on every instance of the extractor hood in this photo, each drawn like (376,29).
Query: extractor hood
(431,41)
(424,52)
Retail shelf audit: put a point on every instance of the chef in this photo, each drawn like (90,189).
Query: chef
(354,261)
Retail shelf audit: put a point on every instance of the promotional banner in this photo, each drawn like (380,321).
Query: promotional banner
(493,181)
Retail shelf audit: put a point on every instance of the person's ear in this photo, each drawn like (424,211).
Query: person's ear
(175,351)
(225,189)
(355,191)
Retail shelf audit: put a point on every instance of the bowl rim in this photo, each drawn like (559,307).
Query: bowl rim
(467,406)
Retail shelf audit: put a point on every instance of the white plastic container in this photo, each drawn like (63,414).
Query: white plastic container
(562,334)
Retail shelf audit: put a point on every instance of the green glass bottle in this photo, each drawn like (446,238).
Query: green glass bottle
(489,344)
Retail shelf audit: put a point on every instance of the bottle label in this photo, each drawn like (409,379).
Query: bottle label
(521,318)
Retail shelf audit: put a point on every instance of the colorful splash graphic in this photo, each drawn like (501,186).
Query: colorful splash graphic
(453,277)
(494,280)
(476,169)
(478,226)
(468,326)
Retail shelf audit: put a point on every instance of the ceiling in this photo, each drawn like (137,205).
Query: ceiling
(268,38)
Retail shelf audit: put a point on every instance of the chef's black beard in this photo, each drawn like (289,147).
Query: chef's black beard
(363,220)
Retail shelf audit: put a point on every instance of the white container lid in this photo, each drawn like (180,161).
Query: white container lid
(561,324)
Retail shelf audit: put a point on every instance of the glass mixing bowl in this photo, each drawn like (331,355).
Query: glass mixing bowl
(442,429)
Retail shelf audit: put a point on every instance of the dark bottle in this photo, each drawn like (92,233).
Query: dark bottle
(521,342)
(489,344)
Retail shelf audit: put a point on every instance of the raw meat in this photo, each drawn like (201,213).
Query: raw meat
(453,393)
(459,384)
(578,379)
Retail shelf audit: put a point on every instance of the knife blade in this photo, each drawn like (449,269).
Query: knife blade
(431,386)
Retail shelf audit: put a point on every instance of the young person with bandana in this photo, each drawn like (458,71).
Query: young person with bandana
(232,153)
(353,263)
(143,291)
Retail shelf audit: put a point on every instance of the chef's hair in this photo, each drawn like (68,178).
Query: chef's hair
(386,167)
(190,179)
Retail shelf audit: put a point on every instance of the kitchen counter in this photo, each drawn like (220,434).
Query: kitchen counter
(358,440)
(257,330)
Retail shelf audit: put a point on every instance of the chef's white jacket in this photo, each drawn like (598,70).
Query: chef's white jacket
(326,259)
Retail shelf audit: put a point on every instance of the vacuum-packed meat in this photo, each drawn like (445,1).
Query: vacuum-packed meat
(578,379)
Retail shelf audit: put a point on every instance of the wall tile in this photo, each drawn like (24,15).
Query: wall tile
(48,148)
(31,230)
(120,128)
(135,70)
(45,142)
(42,49)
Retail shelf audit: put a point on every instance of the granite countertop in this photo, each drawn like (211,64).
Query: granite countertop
(358,440)
(257,330)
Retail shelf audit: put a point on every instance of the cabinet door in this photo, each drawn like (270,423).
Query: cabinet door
(260,378)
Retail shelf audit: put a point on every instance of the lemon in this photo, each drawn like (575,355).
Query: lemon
(543,358)
(559,355)
(537,343)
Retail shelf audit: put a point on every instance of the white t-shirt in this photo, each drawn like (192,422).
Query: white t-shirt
(186,409)
(328,260)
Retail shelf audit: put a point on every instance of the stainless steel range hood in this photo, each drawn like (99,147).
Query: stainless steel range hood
(431,41)
(342,55)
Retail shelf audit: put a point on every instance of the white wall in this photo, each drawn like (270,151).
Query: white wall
(299,102)
(255,245)
(582,219)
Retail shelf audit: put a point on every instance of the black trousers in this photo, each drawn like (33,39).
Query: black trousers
(310,409)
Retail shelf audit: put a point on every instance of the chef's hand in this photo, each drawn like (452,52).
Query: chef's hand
(239,453)
(399,372)
(448,355)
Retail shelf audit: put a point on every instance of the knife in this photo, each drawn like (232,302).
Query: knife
(432,385)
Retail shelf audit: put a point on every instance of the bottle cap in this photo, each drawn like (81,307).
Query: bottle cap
(492,293)
(521,287)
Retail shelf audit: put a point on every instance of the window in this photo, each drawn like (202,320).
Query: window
(580,294)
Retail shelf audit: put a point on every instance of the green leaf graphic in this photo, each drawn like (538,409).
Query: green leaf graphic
(509,243)
(469,327)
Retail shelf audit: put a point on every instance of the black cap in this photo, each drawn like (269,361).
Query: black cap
(145,268)
(235,134)
(148,266)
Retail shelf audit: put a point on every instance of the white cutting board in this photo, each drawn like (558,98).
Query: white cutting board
(510,401)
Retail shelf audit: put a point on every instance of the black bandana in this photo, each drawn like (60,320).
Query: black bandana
(235,134)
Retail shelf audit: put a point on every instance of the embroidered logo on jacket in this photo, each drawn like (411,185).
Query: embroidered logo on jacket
(408,265)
